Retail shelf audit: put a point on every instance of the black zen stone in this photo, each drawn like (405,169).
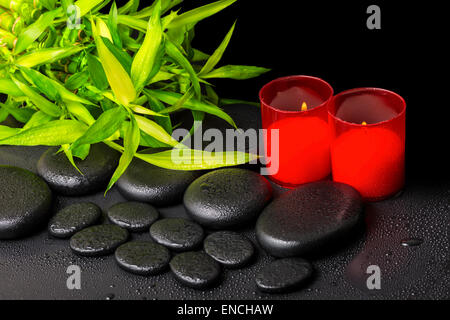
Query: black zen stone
(62,177)
(98,240)
(74,218)
(134,216)
(177,234)
(142,257)
(195,269)
(309,218)
(227,198)
(25,201)
(284,275)
(229,248)
(148,183)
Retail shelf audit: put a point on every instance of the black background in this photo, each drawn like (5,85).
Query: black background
(330,40)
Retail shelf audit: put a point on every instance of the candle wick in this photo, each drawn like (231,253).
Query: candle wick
(304,106)
(364,123)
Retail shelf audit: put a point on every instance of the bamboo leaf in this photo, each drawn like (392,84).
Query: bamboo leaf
(8,87)
(190,159)
(53,133)
(117,76)
(44,84)
(80,112)
(103,29)
(103,128)
(144,59)
(32,32)
(158,106)
(122,56)
(176,54)
(131,143)
(155,130)
(217,55)
(77,80)
(142,110)
(87,5)
(6,132)
(37,119)
(112,24)
(96,72)
(67,95)
(236,72)
(38,100)
(198,14)
(130,6)
(45,56)
(20,114)
(192,104)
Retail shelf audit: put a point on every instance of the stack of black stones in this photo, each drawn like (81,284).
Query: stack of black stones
(300,222)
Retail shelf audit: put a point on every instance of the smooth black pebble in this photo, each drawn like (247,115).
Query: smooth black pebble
(148,183)
(25,201)
(74,218)
(309,218)
(62,177)
(177,234)
(195,269)
(133,216)
(143,257)
(227,198)
(229,248)
(98,240)
(284,275)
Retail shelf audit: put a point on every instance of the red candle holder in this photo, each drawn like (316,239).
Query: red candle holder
(368,141)
(297,107)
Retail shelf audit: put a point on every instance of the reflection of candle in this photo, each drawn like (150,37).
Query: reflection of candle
(296,106)
(368,141)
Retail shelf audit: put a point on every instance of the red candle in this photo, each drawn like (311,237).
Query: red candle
(368,141)
(296,107)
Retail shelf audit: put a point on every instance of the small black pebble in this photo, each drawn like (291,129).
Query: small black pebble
(142,257)
(284,275)
(177,234)
(98,240)
(195,269)
(133,216)
(229,248)
(74,218)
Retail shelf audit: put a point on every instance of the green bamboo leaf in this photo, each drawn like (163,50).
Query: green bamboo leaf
(131,143)
(69,155)
(171,98)
(155,130)
(117,76)
(3,114)
(80,112)
(53,133)
(198,14)
(217,55)
(44,84)
(144,59)
(96,72)
(47,55)
(22,115)
(236,72)
(82,151)
(67,95)
(37,119)
(38,100)
(176,55)
(87,5)
(9,88)
(199,56)
(122,56)
(190,159)
(112,24)
(130,6)
(158,106)
(6,132)
(129,21)
(142,110)
(103,128)
(77,80)
(32,32)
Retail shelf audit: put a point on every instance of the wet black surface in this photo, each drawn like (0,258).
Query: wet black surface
(35,268)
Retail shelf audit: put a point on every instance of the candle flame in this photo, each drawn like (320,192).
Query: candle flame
(364,123)
(304,106)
